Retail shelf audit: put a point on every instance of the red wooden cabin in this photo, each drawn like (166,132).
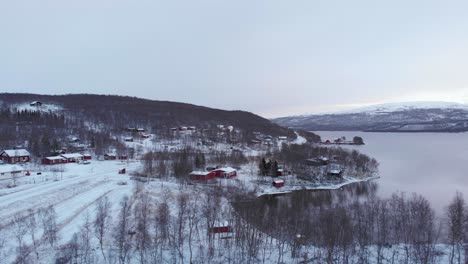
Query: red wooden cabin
(226,172)
(278,183)
(54,160)
(220,229)
(202,175)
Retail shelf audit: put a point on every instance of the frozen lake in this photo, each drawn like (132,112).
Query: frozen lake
(434,165)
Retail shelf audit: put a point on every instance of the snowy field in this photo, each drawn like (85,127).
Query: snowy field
(73,193)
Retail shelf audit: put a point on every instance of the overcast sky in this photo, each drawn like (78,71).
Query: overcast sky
(273,58)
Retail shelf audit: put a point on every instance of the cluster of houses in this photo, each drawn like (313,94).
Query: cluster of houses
(261,139)
(113,156)
(66,158)
(136,130)
(331,166)
(183,128)
(140,131)
(211,173)
(343,141)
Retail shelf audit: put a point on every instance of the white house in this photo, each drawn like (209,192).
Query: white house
(8,171)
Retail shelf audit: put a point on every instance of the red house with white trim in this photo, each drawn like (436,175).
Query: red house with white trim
(110,156)
(278,183)
(202,175)
(73,157)
(220,229)
(225,172)
(54,160)
(15,155)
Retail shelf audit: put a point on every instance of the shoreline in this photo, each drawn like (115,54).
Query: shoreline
(348,181)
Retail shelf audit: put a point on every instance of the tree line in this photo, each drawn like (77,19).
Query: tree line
(353,162)
(177,227)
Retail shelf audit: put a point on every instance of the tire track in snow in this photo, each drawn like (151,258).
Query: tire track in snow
(61,197)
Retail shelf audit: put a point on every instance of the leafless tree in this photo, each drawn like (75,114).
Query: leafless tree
(69,252)
(161,229)
(179,225)
(48,219)
(20,229)
(101,222)
(456,225)
(193,218)
(423,230)
(148,160)
(162,168)
(2,244)
(32,228)
(122,231)
(86,255)
(142,213)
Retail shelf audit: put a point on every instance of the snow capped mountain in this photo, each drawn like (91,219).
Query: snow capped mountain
(392,117)
(403,106)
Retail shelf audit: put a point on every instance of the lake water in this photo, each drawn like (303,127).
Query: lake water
(434,165)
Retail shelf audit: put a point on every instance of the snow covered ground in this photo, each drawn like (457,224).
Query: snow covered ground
(262,185)
(73,193)
(74,189)
(42,108)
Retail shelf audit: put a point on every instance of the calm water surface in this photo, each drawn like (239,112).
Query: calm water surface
(434,165)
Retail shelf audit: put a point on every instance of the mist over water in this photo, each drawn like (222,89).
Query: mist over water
(434,165)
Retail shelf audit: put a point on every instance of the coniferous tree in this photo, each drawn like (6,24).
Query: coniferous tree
(274,169)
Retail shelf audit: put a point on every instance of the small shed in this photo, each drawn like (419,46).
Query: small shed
(202,175)
(35,103)
(87,156)
(278,183)
(220,229)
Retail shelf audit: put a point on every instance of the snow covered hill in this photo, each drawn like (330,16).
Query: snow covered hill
(405,106)
(393,117)
(117,112)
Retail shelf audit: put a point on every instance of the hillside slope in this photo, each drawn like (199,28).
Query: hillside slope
(119,112)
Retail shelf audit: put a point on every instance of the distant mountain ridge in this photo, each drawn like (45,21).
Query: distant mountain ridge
(394,117)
